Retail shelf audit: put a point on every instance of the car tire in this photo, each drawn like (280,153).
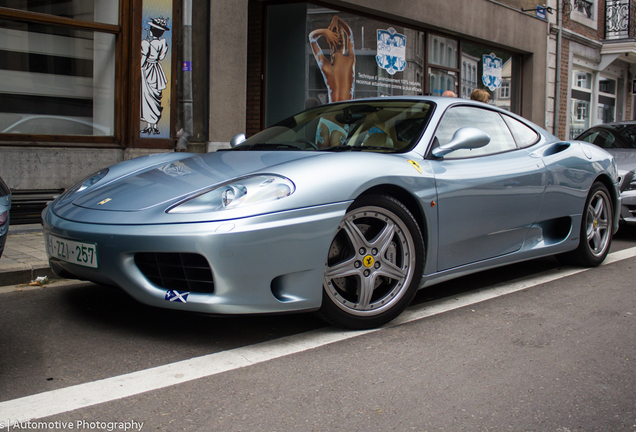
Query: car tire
(596,229)
(374,265)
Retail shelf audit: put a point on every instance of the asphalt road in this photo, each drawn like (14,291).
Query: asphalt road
(557,356)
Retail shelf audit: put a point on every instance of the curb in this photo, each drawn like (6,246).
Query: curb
(24,273)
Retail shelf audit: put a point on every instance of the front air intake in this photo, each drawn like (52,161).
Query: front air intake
(176,271)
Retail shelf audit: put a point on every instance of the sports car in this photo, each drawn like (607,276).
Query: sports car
(346,209)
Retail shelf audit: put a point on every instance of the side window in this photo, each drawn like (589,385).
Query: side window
(589,136)
(605,140)
(489,121)
(601,138)
(524,135)
(629,136)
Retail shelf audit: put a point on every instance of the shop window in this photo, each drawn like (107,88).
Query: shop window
(447,54)
(442,80)
(101,11)
(317,55)
(62,72)
(494,71)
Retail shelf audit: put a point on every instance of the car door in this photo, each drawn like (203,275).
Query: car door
(487,197)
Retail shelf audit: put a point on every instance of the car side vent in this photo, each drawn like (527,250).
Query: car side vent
(556,148)
(176,271)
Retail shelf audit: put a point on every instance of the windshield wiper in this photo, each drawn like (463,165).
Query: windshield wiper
(358,148)
(265,146)
(339,148)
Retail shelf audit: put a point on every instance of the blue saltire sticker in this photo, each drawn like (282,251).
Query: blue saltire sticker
(177,296)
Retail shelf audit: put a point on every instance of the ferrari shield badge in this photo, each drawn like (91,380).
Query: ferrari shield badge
(391,51)
(492,71)
(177,296)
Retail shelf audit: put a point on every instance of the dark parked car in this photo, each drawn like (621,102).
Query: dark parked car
(620,140)
(5,205)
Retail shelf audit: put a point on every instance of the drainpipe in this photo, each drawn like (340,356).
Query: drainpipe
(557,84)
(185,133)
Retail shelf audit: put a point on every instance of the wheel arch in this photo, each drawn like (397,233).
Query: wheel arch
(411,203)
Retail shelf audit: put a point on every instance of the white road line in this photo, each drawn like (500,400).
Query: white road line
(84,395)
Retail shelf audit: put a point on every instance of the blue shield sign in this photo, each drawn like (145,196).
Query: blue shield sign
(492,71)
(391,54)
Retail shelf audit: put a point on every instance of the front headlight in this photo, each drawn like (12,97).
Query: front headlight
(85,184)
(242,192)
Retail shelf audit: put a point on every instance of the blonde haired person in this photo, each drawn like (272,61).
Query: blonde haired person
(480,95)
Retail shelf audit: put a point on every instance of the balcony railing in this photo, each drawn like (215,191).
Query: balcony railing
(617,19)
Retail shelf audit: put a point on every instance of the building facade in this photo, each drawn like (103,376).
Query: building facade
(88,83)
(590,64)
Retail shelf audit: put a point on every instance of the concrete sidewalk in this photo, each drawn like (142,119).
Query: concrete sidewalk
(24,257)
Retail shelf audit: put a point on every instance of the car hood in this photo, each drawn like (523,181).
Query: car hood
(130,187)
(141,190)
(165,182)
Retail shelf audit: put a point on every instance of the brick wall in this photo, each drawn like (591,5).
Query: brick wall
(595,34)
(575,26)
(563,88)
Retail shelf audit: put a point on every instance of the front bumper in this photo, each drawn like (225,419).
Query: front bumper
(262,264)
(628,207)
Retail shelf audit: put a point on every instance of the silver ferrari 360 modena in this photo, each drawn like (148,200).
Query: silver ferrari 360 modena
(346,209)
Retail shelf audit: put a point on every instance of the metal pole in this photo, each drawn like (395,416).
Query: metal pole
(557,84)
(185,133)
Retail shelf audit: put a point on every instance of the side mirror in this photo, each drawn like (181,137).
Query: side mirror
(464,138)
(237,139)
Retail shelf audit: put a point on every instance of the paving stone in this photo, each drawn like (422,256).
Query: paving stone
(24,258)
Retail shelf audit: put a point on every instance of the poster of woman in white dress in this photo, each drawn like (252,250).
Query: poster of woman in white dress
(154,49)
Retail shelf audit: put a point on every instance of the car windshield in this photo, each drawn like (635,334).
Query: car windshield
(382,126)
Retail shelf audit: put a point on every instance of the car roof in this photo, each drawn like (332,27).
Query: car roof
(613,125)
